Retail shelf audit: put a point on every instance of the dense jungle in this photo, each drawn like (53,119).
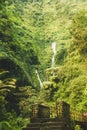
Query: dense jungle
(43,57)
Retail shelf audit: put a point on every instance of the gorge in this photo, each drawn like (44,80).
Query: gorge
(43,57)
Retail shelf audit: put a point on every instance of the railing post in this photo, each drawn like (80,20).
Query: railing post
(63,110)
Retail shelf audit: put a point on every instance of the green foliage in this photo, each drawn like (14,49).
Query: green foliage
(70,79)
(79,32)
(5,126)
(27,29)
(77,127)
(14,43)
(6,86)
(27,97)
(60,56)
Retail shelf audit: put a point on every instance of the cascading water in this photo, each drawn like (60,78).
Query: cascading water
(41,85)
(54,53)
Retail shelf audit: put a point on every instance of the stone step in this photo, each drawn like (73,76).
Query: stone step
(53,128)
(43,128)
(41,120)
(60,123)
(31,128)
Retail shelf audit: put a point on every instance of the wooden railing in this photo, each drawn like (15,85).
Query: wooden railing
(74,115)
(61,110)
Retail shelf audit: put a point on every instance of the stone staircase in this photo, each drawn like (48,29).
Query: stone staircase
(56,118)
(46,124)
(41,120)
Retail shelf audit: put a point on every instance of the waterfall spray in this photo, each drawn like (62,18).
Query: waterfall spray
(54,53)
(41,85)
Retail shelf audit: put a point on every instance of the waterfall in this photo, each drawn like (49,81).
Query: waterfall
(54,53)
(41,85)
